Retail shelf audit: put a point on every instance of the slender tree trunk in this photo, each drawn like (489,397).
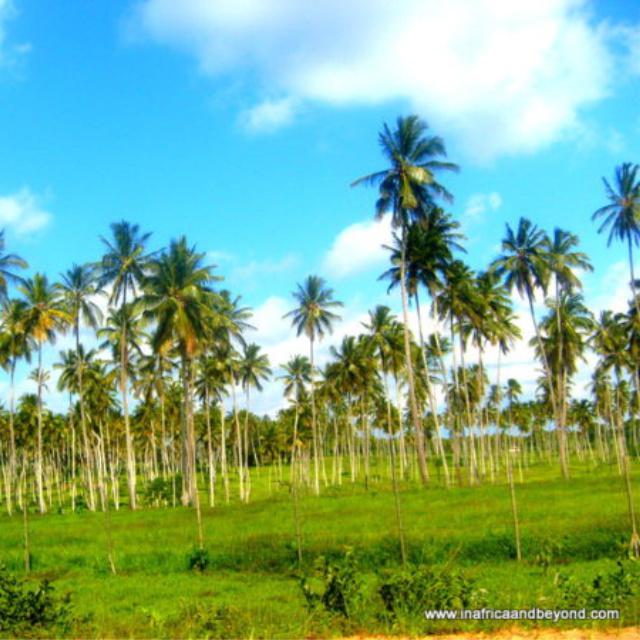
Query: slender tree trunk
(431,397)
(413,405)
(39,471)
(314,426)
(223,455)
(131,458)
(562,442)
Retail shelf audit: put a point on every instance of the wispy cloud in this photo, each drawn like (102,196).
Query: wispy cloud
(22,213)
(268,116)
(259,268)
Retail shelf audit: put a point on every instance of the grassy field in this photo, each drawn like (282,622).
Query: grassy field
(251,586)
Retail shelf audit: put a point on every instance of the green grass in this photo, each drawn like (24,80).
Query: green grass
(252,575)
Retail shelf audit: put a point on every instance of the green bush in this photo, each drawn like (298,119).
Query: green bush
(199,560)
(341,586)
(606,591)
(27,610)
(409,592)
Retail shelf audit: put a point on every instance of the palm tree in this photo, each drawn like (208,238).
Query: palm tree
(407,189)
(15,343)
(609,340)
(525,266)
(123,268)
(73,367)
(9,262)
(314,318)
(44,317)
(381,330)
(253,370)
(178,298)
(622,215)
(79,289)
(296,377)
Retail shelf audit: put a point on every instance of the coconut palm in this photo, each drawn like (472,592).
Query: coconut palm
(296,378)
(16,342)
(123,269)
(9,262)
(253,371)
(408,189)
(45,316)
(79,291)
(177,297)
(525,266)
(622,214)
(609,341)
(314,317)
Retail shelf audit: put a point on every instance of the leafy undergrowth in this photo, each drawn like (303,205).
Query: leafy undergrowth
(247,582)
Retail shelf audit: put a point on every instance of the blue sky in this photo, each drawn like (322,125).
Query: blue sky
(241,124)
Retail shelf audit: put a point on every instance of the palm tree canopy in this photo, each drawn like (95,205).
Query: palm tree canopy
(254,367)
(297,375)
(79,289)
(564,259)
(523,263)
(45,313)
(178,298)
(123,264)
(313,315)
(622,214)
(9,262)
(407,188)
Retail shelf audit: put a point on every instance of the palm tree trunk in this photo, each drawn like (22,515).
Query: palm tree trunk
(223,455)
(314,426)
(209,450)
(562,442)
(131,459)
(413,405)
(39,480)
(431,397)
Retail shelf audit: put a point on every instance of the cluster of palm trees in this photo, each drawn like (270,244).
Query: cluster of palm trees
(164,336)
(159,372)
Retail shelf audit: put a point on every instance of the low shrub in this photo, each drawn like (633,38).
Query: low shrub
(199,560)
(340,590)
(606,591)
(410,591)
(31,610)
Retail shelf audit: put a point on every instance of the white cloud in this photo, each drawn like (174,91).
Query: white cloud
(505,76)
(22,213)
(259,268)
(359,247)
(268,116)
(479,203)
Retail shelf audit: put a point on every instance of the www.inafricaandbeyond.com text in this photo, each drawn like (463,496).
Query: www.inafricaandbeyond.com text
(554,615)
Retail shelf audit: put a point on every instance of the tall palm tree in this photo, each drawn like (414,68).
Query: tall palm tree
(45,316)
(79,290)
(9,262)
(407,189)
(525,266)
(314,318)
(178,298)
(123,269)
(564,260)
(15,343)
(380,329)
(253,371)
(622,214)
(296,378)
(609,341)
